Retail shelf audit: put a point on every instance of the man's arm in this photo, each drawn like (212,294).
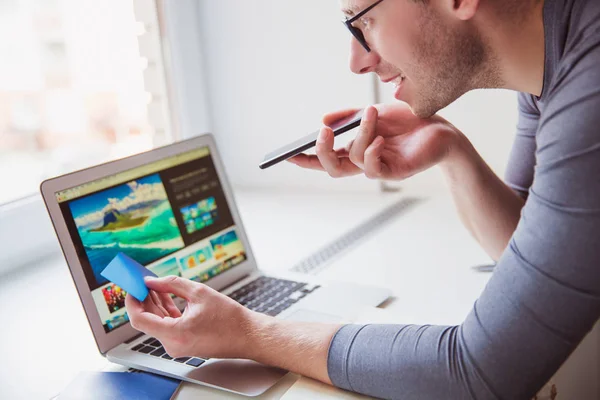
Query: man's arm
(299,347)
(488,208)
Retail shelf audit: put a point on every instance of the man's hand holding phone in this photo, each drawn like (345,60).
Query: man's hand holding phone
(392,143)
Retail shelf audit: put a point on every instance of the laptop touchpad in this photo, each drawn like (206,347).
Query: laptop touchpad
(312,316)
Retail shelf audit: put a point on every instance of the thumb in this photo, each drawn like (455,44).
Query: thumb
(180,287)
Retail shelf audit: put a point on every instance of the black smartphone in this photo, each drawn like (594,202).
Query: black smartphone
(309,141)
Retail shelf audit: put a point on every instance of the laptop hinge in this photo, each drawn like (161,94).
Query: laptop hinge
(235,282)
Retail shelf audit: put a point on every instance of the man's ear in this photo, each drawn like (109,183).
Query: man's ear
(465,9)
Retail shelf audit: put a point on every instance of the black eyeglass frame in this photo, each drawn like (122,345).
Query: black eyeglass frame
(356,32)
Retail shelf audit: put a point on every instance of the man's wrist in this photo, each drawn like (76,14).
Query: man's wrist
(254,330)
(300,347)
(460,156)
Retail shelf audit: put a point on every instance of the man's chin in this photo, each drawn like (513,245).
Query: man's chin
(428,107)
(421,111)
(419,106)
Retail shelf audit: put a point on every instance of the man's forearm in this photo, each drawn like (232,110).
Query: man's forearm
(299,347)
(486,205)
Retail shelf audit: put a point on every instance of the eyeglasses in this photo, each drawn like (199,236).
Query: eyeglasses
(356,32)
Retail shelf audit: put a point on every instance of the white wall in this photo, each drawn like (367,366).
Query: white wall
(184,51)
(274,67)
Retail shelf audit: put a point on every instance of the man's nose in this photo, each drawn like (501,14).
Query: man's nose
(362,61)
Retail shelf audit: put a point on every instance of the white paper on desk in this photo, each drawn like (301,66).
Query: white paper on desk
(403,316)
(373,315)
(307,388)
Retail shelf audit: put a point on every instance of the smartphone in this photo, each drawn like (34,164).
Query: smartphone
(309,141)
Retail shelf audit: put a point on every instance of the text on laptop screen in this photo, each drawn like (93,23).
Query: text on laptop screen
(171,216)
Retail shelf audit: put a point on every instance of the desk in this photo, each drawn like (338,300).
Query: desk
(46,338)
(423,256)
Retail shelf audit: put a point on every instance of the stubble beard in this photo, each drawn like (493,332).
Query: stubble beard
(449,63)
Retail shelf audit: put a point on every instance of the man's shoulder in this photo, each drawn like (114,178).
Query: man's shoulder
(582,25)
(587,12)
(572,48)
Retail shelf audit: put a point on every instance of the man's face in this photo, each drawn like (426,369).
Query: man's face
(429,56)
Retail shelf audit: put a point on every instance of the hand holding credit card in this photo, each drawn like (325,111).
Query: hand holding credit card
(129,275)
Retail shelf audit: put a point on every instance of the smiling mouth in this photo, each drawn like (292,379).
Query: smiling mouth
(398,81)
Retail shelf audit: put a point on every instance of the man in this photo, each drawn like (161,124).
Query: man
(542,225)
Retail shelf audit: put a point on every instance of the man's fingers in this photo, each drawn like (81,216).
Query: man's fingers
(152,324)
(169,305)
(374,167)
(158,303)
(366,134)
(310,161)
(330,118)
(150,305)
(143,320)
(349,146)
(341,153)
(180,287)
(307,161)
(133,305)
(331,162)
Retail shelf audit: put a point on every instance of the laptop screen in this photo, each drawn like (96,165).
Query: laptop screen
(171,216)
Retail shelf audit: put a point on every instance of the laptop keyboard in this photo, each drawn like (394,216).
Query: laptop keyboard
(154,348)
(271,295)
(265,295)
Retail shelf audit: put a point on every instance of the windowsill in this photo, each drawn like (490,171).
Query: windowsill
(27,234)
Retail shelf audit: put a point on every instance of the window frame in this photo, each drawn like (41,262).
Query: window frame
(183,84)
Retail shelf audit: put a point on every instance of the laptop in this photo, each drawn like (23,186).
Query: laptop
(172,209)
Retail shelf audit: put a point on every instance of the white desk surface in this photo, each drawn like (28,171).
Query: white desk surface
(424,256)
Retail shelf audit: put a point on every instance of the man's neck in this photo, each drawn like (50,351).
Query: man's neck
(519,49)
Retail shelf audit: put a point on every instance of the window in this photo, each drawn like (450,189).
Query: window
(73,88)
(81,82)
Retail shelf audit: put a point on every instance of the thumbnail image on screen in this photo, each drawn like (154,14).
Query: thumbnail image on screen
(166,268)
(199,215)
(114,297)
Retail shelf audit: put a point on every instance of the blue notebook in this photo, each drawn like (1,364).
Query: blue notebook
(120,385)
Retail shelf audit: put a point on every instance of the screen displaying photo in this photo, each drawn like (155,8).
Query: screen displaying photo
(171,216)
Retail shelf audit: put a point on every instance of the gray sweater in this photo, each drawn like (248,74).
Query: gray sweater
(544,295)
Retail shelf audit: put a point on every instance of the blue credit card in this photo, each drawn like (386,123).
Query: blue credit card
(129,275)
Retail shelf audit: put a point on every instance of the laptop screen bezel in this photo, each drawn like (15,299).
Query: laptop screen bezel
(108,340)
